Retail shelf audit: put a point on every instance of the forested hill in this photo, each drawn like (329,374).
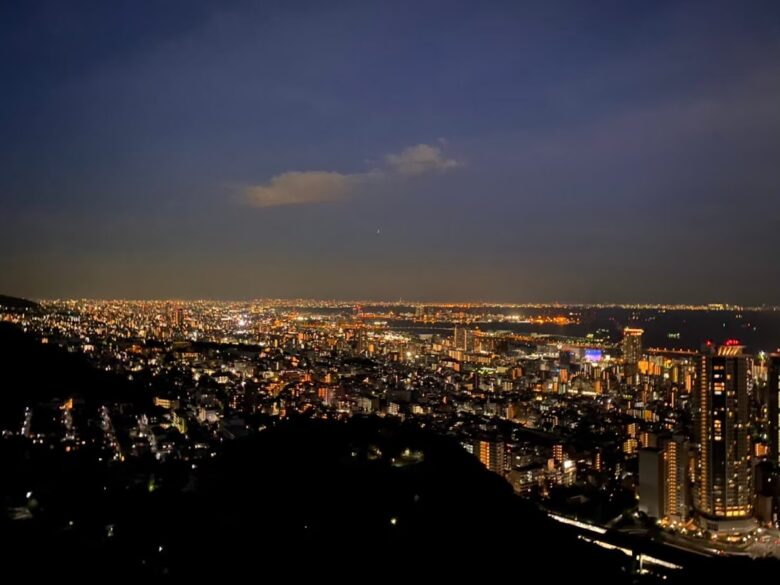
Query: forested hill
(17,304)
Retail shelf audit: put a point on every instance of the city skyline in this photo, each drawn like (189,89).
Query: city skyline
(408,302)
(448,151)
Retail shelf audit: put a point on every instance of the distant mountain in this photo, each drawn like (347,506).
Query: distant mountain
(15,303)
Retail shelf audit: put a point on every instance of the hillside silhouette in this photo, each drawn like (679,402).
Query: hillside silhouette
(315,499)
(33,372)
(17,304)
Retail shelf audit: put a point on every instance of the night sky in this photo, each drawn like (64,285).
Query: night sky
(514,151)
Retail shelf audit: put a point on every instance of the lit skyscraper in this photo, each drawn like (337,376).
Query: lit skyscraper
(773,388)
(676,478)
(663,479)
(724,483)
(178,317)
(632,348)
(463,339)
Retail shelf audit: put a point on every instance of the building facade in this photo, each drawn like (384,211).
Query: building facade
(724,488)
(773,399)
(632,349)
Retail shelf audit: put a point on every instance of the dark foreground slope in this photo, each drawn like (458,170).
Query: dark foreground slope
(14,304)
(310,499)
(343,497)
(32,372)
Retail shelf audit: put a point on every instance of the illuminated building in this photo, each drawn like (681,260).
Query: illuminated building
(525,479)
(492,454)
(663,479)
(463,339)
(632,349)
(367,404)
(210,415)
(675,474)
(558,453)
(724,484)
(568,473)
(423,313)
(327,394)
(773,388)
(167,403)
(180,422)
(648,439)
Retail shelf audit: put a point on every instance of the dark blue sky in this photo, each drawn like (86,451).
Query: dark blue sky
(571,151)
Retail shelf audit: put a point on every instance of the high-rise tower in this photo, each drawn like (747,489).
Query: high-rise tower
(632,349)
(773,399)
(724,484)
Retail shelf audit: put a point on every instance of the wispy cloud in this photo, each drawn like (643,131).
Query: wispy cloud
(304,187)
(297,188)
(420,159)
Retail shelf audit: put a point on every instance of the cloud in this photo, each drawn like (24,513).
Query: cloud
(300,187)
(304,187)
(420,159)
